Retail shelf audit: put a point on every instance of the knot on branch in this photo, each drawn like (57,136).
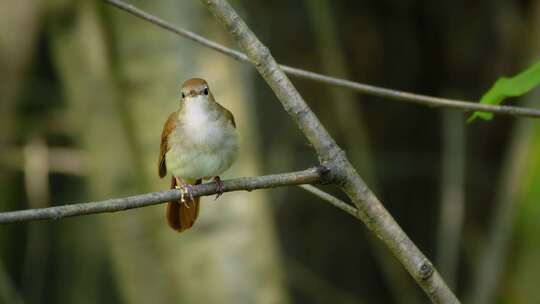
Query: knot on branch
(263,55)
(425,270)
(336,165)
(324,174)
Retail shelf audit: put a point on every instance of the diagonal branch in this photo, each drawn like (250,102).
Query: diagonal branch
(425,100)
(369,208)
(309,176)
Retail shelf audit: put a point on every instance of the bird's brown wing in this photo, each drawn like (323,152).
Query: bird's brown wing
(228,114)
(164,146)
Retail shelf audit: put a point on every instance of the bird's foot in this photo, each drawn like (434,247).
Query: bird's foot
(186,194)
(219,186)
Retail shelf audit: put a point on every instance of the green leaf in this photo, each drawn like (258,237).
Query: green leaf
(509,87)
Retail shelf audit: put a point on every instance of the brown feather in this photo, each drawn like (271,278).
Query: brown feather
(179,216)
(169,126)
(229,116)
(194,83)
(227,113)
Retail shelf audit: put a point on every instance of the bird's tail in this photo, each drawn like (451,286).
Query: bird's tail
(181,216)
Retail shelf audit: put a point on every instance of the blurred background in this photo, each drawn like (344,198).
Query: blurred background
(85,89)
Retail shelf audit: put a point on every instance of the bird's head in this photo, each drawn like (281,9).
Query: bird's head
(195,89)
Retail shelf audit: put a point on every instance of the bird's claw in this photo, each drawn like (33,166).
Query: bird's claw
(219,187)
(186,190)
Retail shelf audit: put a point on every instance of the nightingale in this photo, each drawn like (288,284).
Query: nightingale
(199,141)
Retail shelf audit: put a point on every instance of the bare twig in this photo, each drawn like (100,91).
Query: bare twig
(313,175)
(369,209)
(356,86)
(331,199)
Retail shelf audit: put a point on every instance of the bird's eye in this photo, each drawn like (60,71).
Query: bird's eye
(183,95)
(205,91)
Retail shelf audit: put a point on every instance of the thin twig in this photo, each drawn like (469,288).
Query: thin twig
(312,175)
(336,202)
(426,100)
(369,208)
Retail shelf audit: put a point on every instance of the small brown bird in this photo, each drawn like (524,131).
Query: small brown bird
(199,141)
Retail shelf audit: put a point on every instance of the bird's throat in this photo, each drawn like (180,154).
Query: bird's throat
(197,112)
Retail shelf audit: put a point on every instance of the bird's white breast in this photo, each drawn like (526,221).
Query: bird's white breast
(196,112)
(204,142)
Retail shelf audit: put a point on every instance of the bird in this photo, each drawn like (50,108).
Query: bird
(199,141)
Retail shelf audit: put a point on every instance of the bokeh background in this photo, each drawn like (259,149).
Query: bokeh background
(85,89)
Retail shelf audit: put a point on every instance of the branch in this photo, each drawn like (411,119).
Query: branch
(336,202)
(369,208)
(425,100)
(309,176)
